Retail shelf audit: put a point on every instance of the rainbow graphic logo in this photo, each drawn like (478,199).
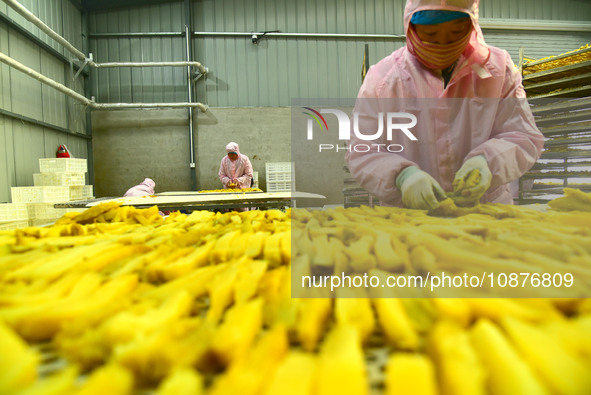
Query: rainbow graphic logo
(316,116)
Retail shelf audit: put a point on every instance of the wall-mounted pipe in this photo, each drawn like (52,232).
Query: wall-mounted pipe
(120,106)
(136,34)
(301,35)
(46,29)
(537,25)
(40,77)
(97,106)
(485,23)
(202,69)
(28,15)
(37,41)
(190,98)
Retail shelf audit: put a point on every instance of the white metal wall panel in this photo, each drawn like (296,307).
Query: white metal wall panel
(7,170)
(12,14)
(60,15)
(570,10)
(33,7)
(53,101)
(25,92)
(28,147)
(5,101)
(71,23)
(49,11)
(77,146)
(76,111)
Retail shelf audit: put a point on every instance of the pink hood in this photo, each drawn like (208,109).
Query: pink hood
(233,147)
(476,51)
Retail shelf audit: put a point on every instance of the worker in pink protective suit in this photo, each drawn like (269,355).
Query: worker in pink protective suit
(470,108)
(235,169)
(144,188)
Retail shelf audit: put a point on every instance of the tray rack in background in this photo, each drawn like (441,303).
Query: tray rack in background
(354,195)
(280,176)
(559,92)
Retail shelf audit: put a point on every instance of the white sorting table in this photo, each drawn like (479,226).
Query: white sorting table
(171,201)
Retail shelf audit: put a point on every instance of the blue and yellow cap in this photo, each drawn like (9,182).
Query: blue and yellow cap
(433,17)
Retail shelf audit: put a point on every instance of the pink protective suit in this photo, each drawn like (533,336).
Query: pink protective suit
(144,188)
(481,111)
(239,169)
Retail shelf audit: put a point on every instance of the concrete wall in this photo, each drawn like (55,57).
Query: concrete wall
(130,145)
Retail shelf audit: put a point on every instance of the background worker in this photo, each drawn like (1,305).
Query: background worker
(471,113)
(235,169)
(144,188)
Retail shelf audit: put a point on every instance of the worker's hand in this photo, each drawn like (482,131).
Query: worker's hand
(419,189)
(472,181)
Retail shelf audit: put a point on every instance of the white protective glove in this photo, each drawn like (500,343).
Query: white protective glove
(419,189)
(470,195)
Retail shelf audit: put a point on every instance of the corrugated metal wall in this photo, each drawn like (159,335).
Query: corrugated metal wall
(567,10)
(23,142)
(161,84)
(536,44)
(60,15)
(278,69)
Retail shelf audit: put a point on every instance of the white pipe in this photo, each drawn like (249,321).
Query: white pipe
(202,69)
(114,106)
(98,106)
(39,23)
(535,24)
(300,35)
(62,88)
(190,98)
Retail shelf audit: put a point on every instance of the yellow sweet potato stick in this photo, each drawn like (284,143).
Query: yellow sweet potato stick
(456,361)
(410,374)
(294,375)
(396,324)
(357,312)
(313,315)
(110,379)
(341,366)
(250,375)
(18,365)
(236,333)
(183,381)
(507,372)
(563,371)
